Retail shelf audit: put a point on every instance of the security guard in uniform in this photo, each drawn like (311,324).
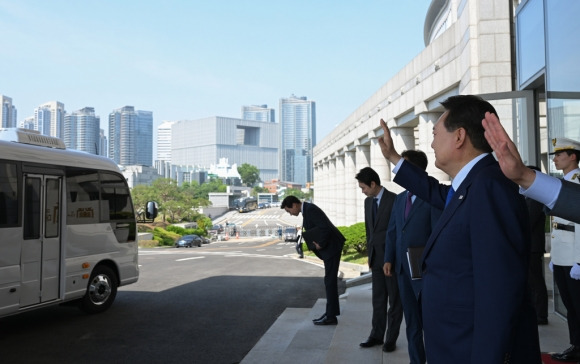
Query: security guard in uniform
(565,252)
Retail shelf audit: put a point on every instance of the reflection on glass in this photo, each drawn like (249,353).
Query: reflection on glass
(530,40)
(563,51)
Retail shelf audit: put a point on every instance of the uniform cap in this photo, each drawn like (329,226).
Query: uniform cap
(562,144)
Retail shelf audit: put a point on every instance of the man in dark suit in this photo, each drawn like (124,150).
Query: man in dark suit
(475,298)
(410,225)
(378,205)
(559,197)
(327,246)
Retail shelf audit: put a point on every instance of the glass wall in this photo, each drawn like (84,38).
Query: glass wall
(530,40)
(548,37)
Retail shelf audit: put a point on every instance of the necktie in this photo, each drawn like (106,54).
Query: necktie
(450,194)
(409,204)
(375,205)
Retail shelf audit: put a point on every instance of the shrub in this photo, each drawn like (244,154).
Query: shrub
(355,238)
(182,231)
(165,237)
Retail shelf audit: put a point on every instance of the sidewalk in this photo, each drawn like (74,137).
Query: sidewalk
(294,339)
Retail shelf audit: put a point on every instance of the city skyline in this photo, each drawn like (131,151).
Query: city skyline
(190,60)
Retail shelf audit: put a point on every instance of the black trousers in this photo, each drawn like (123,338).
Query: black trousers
(331,266)
(569,289)
(387,307)
(537,284)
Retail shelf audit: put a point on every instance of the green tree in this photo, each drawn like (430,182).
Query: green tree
(259,189)
(250,174)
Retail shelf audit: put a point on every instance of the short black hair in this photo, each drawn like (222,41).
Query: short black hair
(289,201)
(467,112)
(575,152)
(416,157)
(368,175)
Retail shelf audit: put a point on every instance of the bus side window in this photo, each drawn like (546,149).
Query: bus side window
(116,194)
(82,196)
(8,195)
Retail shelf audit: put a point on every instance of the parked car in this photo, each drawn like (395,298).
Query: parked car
(189,241)
(263,205)
(290,234)
(216,229)
(205,240)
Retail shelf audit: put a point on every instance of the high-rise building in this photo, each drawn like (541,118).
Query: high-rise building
(49,119)
(7,112)
(144,147)
(258,113)
(131,136)
(82,131)
(201,143)
(103,150)
(27,123)
(164,141)
(298,133)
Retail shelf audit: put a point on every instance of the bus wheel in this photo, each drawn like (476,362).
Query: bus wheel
(101,290)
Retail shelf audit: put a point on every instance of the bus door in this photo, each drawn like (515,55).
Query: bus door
(40,254)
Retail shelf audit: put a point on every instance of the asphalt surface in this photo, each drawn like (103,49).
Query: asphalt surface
(200,305)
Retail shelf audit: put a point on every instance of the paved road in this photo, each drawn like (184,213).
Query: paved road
(198,305)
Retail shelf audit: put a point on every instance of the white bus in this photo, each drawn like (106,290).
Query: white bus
(67,226)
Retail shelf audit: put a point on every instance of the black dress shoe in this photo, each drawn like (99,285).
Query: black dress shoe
(371,341)
(570,354)
(326,321)
(389,346)
(320,318)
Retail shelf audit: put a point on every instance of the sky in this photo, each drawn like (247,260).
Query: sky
(191,59)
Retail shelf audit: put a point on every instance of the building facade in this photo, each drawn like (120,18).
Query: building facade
(49,119)
(204,142)
(258,113)
(82,131)
(469,48)
(7,113)
(298,134)
(131,136)
(164,141)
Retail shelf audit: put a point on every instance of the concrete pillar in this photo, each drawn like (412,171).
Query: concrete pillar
(425,127)
(351,188)
(338,217)
(363,159)
(331,208)
(378,162)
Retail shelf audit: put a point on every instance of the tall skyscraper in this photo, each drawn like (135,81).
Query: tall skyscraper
(131,136)
(144,147)
(49,119)
(27,123)
(103,149)
(164,141)
(298,126)
(7,112)
(82,131)
(258,113)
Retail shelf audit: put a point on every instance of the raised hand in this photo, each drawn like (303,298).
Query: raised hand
(387,146)
(506,152)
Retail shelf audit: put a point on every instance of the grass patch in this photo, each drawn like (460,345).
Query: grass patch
(148,243)
(356,258)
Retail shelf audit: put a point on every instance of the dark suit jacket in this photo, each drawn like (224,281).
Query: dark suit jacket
(377,231)
(475,301)
(332,240)
(411,232)
(537,225)
(566,205)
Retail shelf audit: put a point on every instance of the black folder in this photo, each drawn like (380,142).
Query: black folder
(414,254)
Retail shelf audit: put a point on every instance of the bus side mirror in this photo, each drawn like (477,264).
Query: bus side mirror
(151,210)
